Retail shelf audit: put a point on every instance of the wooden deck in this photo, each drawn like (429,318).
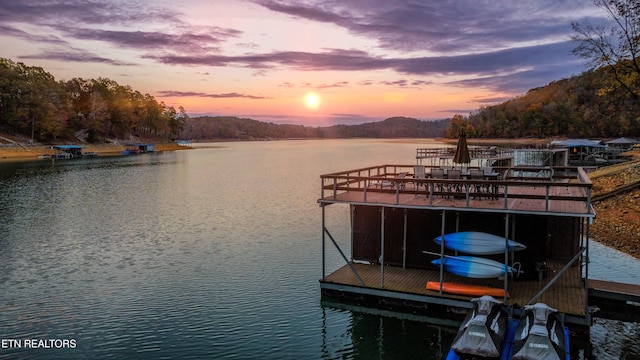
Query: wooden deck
(561,195)
(533,201)
(567,294)
(615,290)
(615,300)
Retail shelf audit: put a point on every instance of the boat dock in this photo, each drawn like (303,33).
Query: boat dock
(615,300)
(67,152)
(395,213)
(402,284)
(443,156)
(498,156)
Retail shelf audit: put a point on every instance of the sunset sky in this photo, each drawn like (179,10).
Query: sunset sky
(365,60)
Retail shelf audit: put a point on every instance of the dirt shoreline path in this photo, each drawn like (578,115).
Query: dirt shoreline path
(617,222)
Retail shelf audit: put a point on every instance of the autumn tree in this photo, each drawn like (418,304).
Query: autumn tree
(615,45)
(176,121)
(33,104)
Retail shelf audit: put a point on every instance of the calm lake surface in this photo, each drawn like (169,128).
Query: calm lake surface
(212,253)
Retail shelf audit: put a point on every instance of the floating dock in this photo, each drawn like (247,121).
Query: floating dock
(394,217)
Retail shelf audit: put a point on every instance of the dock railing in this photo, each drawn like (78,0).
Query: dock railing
(558,184)
(474,153)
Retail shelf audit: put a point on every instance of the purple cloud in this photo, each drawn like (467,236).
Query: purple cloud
(172,93)
(504,45)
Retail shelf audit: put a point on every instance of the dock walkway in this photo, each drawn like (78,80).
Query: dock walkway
(567,294)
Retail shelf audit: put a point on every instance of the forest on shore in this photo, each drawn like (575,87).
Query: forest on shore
(33,105)
(590,105)
(37,107)
(229,127)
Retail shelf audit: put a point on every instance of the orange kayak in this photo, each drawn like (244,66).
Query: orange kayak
(463,289)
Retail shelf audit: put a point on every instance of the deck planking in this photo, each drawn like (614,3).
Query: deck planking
(567,294)
(631,291)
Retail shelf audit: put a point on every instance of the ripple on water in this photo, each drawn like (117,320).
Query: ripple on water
(217,256)
(614,339)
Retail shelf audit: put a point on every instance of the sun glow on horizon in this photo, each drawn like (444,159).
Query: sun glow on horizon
(312,100)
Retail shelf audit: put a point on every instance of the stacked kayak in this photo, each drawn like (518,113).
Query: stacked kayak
(476,243)
(473,266)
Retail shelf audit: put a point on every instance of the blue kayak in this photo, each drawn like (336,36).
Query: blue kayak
(473,267)
(478,243)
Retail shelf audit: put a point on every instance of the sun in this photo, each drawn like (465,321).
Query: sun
(312,100)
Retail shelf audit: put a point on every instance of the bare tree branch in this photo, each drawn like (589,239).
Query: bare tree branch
(617,45)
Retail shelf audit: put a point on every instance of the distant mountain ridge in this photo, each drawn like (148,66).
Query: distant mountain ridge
(589,105)
(231,127)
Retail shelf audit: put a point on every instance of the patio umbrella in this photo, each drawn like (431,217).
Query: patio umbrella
(462,151)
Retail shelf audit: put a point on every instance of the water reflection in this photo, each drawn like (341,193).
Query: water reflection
(365,333)
(207,253)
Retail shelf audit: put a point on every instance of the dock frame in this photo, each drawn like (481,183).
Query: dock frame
(394,273)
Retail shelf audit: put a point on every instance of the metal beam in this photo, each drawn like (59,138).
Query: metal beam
(555,278)
(344,257)
(382,249)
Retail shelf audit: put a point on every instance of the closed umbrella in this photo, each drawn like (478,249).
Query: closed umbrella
(462,151)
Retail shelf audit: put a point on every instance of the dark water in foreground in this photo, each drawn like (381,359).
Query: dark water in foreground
(207,253)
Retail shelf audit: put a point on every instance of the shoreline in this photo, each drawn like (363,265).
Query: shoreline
(31,152)
(617,223)
(28,153)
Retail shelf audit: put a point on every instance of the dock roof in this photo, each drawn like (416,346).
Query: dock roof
(578,142)
(67,147)
(622,140)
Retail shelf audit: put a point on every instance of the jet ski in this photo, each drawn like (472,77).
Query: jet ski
(482,333)
(540,335)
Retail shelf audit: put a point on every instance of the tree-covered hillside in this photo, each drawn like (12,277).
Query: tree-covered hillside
(396,127)
(588,105)
(36,106)
(603,102)
(220,127)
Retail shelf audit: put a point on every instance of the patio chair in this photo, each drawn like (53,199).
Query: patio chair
(439,175)
(401,184)
(419,173)
(384,183)
(454,174)
(478,174)
(391,182)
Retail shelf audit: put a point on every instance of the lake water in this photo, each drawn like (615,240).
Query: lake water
(213,252)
